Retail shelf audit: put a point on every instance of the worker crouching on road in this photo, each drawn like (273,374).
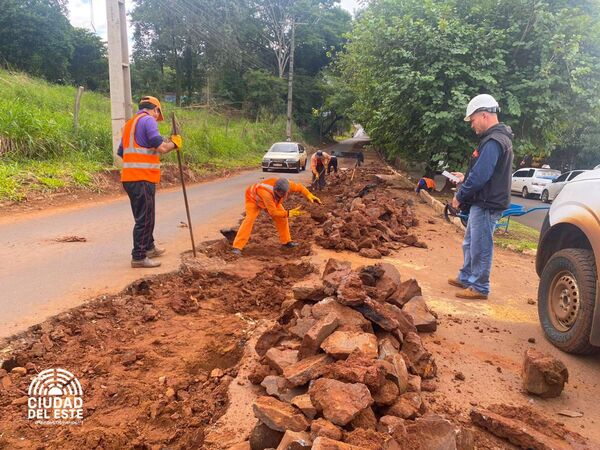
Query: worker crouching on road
(425,183)
(269,195)
(140,149)
(318,165)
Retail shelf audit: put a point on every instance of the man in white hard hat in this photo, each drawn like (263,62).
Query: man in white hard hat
(486,188)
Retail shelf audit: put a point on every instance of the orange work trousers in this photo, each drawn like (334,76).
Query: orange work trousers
(252,211)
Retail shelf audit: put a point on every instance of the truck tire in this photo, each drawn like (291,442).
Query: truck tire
(566,299)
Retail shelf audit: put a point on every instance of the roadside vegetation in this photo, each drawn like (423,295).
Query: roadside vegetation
(40,150)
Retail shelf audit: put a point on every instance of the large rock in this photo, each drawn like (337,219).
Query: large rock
(351,291)
(324,443)
(281,388)
(341,343)
(423,320)
(310,290)
(365,419)
(307,369)
(378,314)
(332,281)
(422,361)
(340,402)
(325,428)
(348,318)
(304,403)
(280,359)
(263,437)
(434,433)
(358,369)
(391,272)
(407,290)
(335,265)
(519,433)
(278,415)
(315,336)
(302,325)
(407,406)
(394,426)
(370,253)
(387,316)
(543,374)
(387,394)
(293,440)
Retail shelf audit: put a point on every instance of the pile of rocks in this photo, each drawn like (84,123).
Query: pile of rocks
(371,222)
(344,367)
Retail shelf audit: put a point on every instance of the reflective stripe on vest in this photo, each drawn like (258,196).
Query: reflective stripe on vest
(256,197)
(139,163)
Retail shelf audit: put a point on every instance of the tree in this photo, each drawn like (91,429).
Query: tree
(414,65)
(89,65)
(35,36)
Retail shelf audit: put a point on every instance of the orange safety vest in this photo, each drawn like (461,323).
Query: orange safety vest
(252,193)
(139,163)
(430,183)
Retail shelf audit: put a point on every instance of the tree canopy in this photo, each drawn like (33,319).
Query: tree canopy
(413,65)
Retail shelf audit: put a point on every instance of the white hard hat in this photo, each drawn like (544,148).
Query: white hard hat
(482,102)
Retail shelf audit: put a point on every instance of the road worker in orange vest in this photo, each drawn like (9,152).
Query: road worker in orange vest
(318,166)
(140,149)
(269,195)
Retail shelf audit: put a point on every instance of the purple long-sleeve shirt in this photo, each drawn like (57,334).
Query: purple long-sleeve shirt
(146,133)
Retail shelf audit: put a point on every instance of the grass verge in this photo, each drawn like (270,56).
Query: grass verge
(519,237)
(41,151)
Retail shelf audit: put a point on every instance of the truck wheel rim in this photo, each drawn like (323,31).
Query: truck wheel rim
(564,301)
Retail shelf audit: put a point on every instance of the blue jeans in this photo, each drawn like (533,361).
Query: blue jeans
(478,249)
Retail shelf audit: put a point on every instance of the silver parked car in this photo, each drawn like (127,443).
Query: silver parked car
(551,190)
(285,156)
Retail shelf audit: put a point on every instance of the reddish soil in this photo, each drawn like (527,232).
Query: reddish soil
(147,357)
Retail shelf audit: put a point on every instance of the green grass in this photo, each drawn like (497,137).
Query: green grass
(39,149)
(519,237)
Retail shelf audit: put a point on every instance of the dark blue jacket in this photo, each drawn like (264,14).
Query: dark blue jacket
(488,179)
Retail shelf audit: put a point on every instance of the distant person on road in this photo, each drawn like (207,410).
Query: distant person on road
(141,147)
(425,183)
(486,187)
(360,158)
(318,165)
(333,165)
(269,195)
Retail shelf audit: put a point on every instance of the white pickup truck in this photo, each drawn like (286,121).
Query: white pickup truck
(567,262)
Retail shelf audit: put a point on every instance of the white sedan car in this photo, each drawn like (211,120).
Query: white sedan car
(532,181)
(551,190)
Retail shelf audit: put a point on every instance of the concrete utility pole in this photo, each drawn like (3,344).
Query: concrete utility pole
(118,71)
(288,128)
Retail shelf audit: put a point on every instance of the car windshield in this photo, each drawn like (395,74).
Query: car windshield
(284,147)
(547,174)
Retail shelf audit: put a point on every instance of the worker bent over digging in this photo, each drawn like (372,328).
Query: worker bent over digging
(270,194)
(140,149)
(318,165)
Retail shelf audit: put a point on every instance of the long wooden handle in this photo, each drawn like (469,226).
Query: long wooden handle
(175,130)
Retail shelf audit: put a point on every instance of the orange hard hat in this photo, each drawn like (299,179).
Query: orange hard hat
(153,101)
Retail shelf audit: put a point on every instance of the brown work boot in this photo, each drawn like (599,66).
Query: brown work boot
(471,294)
(456,283)
(146,263)
(155,252)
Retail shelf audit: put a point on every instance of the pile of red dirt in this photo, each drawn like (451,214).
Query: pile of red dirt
(155,361)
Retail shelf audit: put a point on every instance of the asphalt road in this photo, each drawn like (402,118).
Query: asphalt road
(40,277)
(533,219)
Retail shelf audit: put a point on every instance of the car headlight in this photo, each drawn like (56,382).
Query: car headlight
(291,160)
(266,160)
